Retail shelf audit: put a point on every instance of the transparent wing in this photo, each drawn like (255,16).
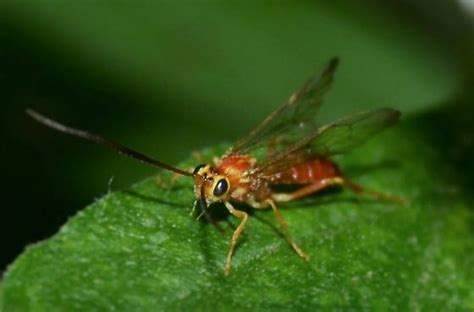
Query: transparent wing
(334,138)
(291,121)
(351,131)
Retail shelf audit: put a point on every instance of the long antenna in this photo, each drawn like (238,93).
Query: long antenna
(121,149)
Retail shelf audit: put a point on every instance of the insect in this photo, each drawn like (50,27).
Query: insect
(288,148)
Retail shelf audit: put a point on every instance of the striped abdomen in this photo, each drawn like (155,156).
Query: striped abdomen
(307,172)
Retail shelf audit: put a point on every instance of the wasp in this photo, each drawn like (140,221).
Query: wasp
(289,147)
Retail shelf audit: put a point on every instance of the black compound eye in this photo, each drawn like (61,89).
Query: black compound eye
(196,170)
(221,187)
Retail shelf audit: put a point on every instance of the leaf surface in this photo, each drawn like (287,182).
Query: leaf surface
(139,250)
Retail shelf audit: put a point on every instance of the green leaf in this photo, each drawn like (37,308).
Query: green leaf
(139,249)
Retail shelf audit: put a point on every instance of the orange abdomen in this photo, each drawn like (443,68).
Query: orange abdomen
(307,172)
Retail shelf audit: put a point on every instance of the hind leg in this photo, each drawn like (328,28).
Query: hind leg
(309,189)
(341,181)
(357,188)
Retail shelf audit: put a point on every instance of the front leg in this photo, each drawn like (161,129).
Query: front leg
(235,236)
(161,183)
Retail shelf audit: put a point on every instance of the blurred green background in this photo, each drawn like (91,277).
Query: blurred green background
(167,78)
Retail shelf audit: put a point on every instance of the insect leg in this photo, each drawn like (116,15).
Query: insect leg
(359,189)
(309,189)
(324,183)
(286,231)
(235,236)
(171,181)
(283,226)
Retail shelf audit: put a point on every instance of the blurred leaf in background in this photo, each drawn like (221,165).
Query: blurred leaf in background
(170,77)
